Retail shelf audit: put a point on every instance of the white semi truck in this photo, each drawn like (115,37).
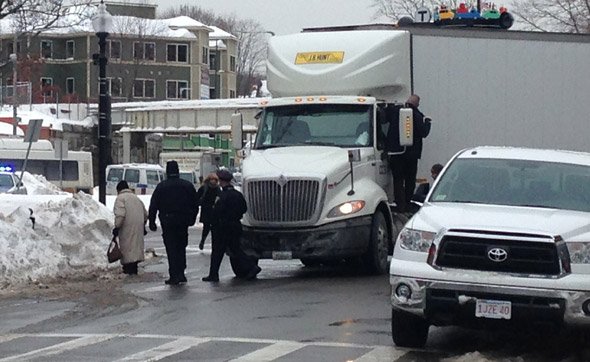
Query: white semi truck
(316,180)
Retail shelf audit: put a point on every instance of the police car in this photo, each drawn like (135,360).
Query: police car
(10,183)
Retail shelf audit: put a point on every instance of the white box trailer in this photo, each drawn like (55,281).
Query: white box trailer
(501,88)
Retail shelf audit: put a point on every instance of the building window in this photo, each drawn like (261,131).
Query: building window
(46,85)
(70,49)
(144,51)
(115,87)
(113,49)
(10,47)
(144,88)
(232,63)
(205,55)
(177,89)
(46,49)
(177,53)
(232,94)
(70,87)
(213,61)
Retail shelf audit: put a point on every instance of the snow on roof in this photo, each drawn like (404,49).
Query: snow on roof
(188,104)
(186,22)
(6,130)
(220,34)
(79,22)
(217,44)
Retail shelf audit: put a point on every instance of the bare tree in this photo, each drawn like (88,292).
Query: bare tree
(252,42)
(571,16)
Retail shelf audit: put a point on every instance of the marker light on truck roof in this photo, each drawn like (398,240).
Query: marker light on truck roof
(310,99)
(362,100)
(323,99)
(298,99)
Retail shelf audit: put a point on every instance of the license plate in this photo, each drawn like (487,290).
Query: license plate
(282,255)
(493,309)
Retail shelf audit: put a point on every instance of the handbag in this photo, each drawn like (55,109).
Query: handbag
(113,252)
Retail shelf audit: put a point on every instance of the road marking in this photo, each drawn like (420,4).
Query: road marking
(10,337)
(166,350)
(60,347)
(270,353)
(381,354)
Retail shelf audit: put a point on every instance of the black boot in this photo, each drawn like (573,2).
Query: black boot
(210,278)
(201,244)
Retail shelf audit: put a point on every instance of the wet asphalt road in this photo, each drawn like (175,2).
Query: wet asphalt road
(290,313)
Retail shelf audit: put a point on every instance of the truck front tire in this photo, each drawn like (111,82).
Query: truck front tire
(375,259)
(408,330)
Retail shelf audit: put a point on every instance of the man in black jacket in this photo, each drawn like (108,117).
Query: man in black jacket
(175,201)
(227,230)
(404,166)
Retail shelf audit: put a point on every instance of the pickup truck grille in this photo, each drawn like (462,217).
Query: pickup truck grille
(523,257)
(273,201)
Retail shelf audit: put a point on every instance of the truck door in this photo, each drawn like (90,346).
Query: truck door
(383,174)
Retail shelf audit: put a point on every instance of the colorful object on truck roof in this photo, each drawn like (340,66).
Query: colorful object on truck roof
(485,15)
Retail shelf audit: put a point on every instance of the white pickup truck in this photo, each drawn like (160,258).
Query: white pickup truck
(503,237)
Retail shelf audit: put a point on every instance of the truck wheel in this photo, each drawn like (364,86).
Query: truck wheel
(375,258)
(408,330)
(237,267)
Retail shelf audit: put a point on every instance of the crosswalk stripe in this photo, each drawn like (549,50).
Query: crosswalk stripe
(165,350)
(60,347)
(270,353)
(379,354)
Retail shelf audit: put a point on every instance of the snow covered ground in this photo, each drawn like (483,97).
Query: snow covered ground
(70,236)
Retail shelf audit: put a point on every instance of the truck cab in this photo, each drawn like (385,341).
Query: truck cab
(316,180)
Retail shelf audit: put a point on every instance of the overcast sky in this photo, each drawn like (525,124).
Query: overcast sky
(287,16)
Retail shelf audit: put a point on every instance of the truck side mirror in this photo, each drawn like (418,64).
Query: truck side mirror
(406,127)
(236,131)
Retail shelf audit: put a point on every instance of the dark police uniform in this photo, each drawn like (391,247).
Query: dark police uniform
(175,201)
(227,230)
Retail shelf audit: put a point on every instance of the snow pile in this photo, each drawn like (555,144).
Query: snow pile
(38,185)
(70,236)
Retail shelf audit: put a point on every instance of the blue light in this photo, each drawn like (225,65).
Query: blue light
(5,168)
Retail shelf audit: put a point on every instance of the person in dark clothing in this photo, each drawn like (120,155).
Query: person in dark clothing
(423,189)
(227,229)
(206,195)
(404,166)
(175,202)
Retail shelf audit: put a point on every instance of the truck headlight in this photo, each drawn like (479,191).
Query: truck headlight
(579,252)
(347,208)
(415,240)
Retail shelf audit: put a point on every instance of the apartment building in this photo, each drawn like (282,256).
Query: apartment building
(149,59)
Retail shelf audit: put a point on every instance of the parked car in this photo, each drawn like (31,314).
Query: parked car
(11,184)
(191,176)
(503,238)
(142,178)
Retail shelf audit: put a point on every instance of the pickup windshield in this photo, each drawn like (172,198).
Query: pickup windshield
(339,125)
(516,183)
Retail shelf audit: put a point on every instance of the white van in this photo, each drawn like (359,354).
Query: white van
(190,176)
(141,177)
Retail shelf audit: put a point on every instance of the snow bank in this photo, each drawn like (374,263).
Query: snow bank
(71,235)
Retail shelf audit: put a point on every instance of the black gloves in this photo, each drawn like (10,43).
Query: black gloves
(116,232)
(153,226)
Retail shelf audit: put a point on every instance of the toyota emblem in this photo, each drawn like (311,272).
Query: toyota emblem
(497,255)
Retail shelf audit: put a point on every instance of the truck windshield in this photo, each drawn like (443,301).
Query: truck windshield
(340,125)
(516,183)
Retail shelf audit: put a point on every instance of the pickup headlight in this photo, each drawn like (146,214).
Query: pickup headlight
(579,252)
(415,240)
(347,208)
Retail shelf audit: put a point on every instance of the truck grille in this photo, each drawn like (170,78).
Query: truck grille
(293,201)
(523,257)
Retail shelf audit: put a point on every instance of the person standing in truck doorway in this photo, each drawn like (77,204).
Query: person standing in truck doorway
(175,203)
(228,210)
(404,166)
(207,194)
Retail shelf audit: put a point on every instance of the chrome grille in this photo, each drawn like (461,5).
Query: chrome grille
(293,201)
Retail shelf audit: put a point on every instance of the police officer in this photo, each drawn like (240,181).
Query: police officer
(175,202)
(227,230)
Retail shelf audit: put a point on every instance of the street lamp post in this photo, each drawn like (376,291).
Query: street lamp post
(102,24)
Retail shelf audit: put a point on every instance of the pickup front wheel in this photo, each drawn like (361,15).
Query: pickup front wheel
(375,259)
(408,330)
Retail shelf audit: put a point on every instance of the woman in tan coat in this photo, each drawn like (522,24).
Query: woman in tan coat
(130,218)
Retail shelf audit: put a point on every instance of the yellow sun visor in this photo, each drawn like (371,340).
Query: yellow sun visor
(319,58)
